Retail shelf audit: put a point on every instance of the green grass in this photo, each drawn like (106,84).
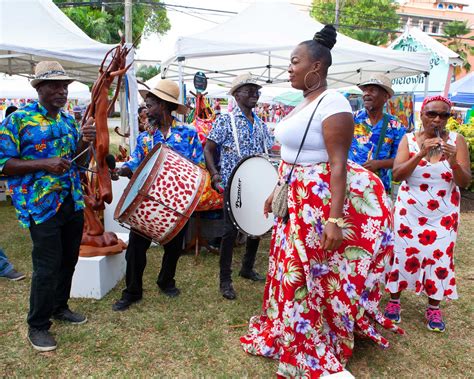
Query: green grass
(197,334)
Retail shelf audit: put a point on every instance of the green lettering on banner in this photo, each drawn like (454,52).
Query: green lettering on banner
(438,70)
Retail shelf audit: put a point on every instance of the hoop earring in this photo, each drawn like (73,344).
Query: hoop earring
(312,88)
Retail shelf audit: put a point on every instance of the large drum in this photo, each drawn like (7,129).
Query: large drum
(250,184)
(161,195)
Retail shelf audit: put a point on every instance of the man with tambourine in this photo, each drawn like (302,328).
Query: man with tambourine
(237,135)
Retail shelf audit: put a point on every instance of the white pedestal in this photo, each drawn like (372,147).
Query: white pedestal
(3,189)
(94,277)
(118,187)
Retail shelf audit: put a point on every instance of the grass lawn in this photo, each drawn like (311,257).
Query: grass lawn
(197,334)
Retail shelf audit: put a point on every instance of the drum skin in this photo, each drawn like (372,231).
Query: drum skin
(162,195)
(250,184)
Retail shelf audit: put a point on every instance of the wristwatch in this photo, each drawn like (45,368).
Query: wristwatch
(338,221)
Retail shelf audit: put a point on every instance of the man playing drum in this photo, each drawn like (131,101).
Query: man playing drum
(237,135)
(161,101)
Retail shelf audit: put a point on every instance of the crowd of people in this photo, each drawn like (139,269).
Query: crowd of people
(332,253)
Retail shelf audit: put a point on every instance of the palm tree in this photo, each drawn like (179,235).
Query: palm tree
(453,31)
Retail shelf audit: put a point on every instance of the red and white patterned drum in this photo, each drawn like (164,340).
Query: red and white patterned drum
(161,195)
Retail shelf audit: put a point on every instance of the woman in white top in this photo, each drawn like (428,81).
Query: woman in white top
(328,257)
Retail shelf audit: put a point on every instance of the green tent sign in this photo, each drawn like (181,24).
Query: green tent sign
(438,70)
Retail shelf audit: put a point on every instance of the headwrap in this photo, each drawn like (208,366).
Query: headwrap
(430,99)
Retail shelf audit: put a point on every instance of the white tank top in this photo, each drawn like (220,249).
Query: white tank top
(290,131)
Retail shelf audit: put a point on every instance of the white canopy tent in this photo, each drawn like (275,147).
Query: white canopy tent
(260,40)
(36,30)
(19,87)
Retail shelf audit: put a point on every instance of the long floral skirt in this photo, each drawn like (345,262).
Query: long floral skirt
(315,299)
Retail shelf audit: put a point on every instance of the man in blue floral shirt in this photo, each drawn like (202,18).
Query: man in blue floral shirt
(37,146)
(252,138)
(372,123)
(161,101)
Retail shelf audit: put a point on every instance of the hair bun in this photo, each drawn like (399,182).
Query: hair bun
(326,36)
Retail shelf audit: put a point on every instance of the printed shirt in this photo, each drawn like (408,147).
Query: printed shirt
(251,140)
(181,138)
(366,138)
(30,134)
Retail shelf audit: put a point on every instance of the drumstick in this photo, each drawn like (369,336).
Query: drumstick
(369,154)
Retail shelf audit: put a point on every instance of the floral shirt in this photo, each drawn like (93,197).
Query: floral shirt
(366,138)
(251,139)
(181,138)
(29,134)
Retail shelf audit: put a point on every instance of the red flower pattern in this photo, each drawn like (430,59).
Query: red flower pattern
(437,254)
(447,222)
(428,209)
(433,205)
(447,176)
(405,231)
(430,287)
(455,198)
(422,220)
(441,273)
(411,251)
(412,265)
(427,237)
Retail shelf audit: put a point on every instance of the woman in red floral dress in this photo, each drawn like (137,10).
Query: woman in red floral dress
(432,163)
(328,259)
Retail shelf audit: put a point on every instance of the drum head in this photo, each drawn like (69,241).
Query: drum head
(250,184)
(140,179)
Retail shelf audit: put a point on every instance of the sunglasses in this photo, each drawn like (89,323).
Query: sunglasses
(441,115)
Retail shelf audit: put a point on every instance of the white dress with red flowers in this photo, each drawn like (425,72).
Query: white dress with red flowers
(426,222)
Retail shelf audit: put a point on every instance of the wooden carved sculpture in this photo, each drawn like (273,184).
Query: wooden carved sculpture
(98,185)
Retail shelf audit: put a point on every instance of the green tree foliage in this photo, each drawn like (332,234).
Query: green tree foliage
(364,20)
(453,31)
(103,23)
(147,72)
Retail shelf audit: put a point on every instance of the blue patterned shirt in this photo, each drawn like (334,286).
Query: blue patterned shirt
(366,138)
(182,138)
(251,140)
(29,134)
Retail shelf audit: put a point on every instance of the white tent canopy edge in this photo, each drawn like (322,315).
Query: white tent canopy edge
(263,47)
(36,30)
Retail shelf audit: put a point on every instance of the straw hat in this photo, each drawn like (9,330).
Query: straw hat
(166,90)
(243,80)
(379,80)
(49,70)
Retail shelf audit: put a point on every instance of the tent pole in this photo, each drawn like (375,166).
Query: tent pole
(448,80)
(427,82)
(180,83)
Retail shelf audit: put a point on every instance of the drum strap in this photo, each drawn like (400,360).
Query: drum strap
(234,132)
(304,137)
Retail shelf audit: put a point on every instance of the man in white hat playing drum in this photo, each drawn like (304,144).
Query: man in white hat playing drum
(376,134)
(37,145)
(164,128)
(252,138)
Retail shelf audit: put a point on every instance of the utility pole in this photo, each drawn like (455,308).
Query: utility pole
(336,22)
(128,21)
